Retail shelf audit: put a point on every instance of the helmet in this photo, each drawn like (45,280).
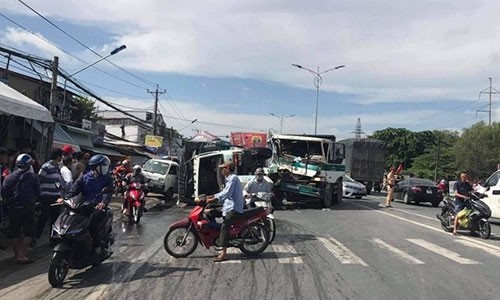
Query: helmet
(100,163)
(23,161)
(125,162)
(137,168)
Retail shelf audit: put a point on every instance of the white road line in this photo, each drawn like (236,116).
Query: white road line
(486,249)
(341,252)
(444,252)
(399,253)
(297,211)
(429,227)
(287,254)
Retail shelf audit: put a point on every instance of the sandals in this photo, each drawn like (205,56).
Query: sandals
(24,262)
(219,259)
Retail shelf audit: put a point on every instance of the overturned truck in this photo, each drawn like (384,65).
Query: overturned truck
(306,168)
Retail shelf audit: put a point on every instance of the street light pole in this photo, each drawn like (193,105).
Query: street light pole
(282,120)
(115,51)
(318,80)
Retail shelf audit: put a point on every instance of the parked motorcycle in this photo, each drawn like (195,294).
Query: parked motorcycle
(72,242)
(134,199)
(262,199)
(476,219)
(248,233)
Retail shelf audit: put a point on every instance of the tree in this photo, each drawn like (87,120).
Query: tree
(83,108)
(477,150)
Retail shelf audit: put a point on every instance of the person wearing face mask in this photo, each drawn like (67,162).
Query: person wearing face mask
(256,185)
(91,186)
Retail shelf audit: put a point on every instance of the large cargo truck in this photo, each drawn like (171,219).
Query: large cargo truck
(365,161)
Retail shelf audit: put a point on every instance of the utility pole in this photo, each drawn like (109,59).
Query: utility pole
(156,93)
(53,95)
(490,91)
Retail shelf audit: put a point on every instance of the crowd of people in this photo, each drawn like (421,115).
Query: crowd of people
(26,185)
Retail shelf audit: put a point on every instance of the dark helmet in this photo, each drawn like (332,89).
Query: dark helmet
(23,161)
(100,163)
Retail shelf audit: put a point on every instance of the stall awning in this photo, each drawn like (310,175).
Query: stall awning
(14,103)
(84,138)
(105,151)
(62,138)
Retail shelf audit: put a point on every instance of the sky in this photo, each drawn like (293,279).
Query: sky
(419,65)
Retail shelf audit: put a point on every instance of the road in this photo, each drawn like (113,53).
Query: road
(358,250)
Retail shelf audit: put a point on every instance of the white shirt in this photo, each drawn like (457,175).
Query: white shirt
(67,176)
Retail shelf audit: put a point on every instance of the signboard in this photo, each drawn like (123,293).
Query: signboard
(249,139)
(153,141)
(86,124)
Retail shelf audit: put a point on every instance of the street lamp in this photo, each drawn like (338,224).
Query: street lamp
(317,83)
(115,51)
(192,122)
(281,120)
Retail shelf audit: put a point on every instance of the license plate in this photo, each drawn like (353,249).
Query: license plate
(429,191)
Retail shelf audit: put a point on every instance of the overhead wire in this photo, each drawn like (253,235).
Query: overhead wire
(146,81)
(70,54)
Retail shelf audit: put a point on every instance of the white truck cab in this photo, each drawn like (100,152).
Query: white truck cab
(163,176)
(492,191)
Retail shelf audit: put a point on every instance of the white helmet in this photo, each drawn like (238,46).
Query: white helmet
(125,162)
(137,167)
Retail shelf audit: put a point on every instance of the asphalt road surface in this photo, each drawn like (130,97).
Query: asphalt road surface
(357,250)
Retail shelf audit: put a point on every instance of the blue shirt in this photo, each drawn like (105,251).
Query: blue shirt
(23,187)
(231,196)
(91,187)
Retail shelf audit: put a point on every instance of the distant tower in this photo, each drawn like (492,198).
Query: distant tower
(357,131)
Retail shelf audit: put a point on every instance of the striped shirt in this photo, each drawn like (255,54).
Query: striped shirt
(49,174)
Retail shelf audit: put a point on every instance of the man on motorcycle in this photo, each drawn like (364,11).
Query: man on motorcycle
(256,185)
(91,185)
(232,201)
(462,191)
(120,171)
(135,176)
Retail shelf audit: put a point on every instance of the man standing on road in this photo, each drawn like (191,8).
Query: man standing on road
(231,198)
(391,181)
(22,187)
(48,175)
(462,191)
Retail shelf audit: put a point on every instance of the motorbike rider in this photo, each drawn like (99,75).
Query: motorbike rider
(135,176)
(232,201)
(121,170)
(257,184)
(91,185)
(462,190)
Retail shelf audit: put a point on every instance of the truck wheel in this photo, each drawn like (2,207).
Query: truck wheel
(337,194)
(327,200)
(168,195)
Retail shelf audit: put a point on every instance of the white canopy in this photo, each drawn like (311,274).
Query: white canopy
(14,103)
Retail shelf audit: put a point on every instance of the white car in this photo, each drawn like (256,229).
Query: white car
(353,188)
(163,176)
(492,191)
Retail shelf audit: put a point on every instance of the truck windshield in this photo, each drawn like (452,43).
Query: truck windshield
(301,148)
(155,166)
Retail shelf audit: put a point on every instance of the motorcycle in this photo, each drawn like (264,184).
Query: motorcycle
(262,199)
(134,199)
(72,242)
(475,220)
(247,233)
(118,183)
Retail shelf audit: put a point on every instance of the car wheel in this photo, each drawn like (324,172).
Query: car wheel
(435,203)
(168,195)
(406,198)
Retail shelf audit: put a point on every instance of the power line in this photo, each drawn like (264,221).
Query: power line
(85,46)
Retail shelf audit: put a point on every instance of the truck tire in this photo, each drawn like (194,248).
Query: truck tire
(337,193)
(327,199)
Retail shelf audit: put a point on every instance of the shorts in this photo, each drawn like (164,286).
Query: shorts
(459,205)
(22,220)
